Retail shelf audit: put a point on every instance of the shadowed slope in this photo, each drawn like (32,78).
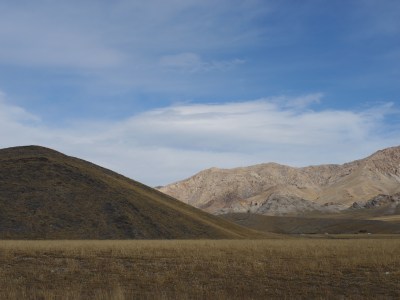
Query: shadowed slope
(45,194)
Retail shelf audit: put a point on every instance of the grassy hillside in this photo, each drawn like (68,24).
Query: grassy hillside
(47,195)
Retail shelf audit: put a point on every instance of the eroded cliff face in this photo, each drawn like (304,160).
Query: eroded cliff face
(277,189)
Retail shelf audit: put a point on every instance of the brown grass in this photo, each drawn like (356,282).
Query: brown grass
(316,225)
(202,269)
(392,218)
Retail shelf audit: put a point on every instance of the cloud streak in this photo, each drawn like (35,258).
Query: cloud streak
(127,54)
(90,36)
(170,143)
(53,36)
(192,63)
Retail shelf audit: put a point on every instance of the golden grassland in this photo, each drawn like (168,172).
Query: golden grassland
(390,218)
(343,223)
(202,269)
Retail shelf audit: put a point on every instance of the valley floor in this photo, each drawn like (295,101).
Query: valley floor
(318,224)
(363,268)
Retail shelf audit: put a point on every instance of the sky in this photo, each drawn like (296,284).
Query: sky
(158,90)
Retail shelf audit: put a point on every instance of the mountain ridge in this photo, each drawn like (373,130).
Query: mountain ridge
(328,188)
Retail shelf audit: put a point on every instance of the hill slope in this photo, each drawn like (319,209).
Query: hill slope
(45,194)
(274,189)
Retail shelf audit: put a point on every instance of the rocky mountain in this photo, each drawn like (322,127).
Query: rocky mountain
(389,202)
(47,195)
(274,189)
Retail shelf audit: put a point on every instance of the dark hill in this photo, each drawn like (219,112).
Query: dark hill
(47,195)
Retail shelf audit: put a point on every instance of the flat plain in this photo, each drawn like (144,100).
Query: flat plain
(334,267)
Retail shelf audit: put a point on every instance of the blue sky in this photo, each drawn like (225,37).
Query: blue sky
(158,90)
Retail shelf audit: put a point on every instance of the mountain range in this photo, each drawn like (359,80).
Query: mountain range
(45,194)
(274,189)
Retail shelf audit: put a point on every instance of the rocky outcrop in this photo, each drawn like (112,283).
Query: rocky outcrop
(390,201)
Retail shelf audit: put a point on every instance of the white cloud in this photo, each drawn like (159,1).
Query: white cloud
(14,113)
(171,143)
(304,101)
(125,47)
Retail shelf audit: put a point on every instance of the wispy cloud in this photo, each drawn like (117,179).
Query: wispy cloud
(170,143)
(192,63)
(304,101)
(122,34)
(39,35)
(127,52)
(12,113)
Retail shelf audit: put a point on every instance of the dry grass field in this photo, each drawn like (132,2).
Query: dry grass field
(343,223)
(392,218)
(295,268)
